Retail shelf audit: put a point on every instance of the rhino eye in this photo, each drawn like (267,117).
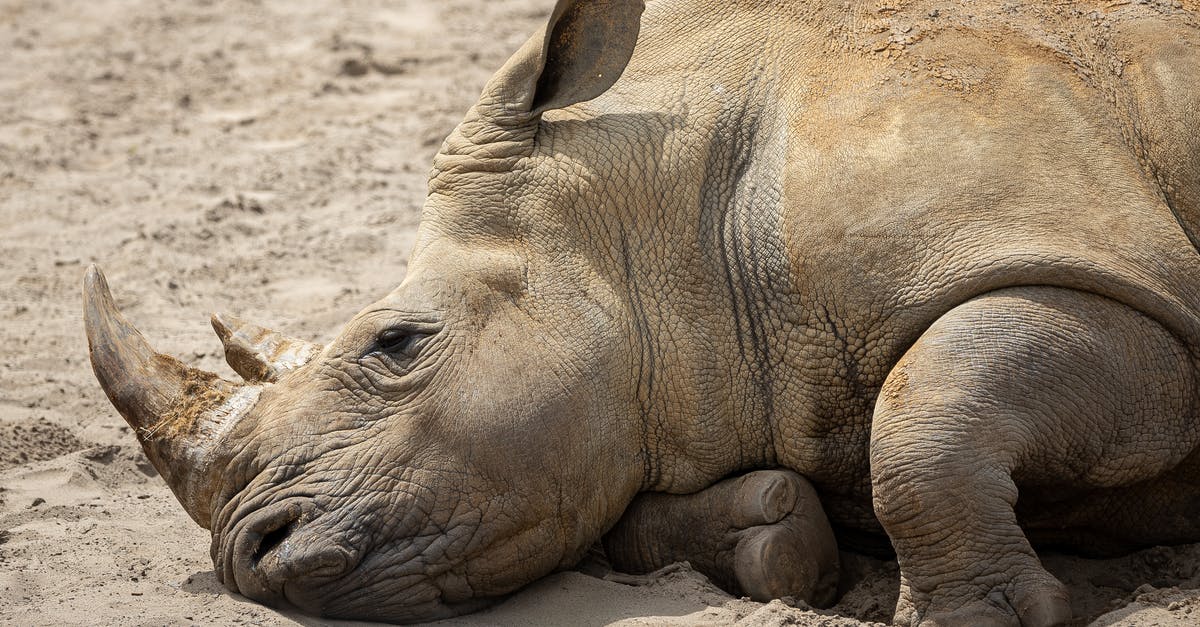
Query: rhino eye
(394,340)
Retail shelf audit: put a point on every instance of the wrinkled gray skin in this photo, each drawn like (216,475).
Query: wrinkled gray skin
(928,278)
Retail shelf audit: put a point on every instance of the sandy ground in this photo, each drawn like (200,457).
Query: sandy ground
(268,158)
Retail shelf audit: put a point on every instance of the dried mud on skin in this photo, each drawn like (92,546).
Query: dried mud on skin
(268,158)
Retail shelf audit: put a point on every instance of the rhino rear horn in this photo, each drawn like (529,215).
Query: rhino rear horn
(179,413)
(259,354)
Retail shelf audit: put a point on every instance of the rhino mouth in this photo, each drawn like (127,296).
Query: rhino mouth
(281,553)
(291,554)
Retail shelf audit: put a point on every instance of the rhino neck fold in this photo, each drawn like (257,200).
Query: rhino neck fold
(480,146)
(706,311)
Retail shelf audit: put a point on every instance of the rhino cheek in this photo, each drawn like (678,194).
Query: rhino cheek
(398,599)
(515,562)
(468,551)
(394,585)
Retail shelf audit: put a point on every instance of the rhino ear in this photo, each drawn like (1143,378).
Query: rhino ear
(259,354)
(582,52)
(588,44)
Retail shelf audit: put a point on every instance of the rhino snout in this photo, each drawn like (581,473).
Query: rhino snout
(282,553)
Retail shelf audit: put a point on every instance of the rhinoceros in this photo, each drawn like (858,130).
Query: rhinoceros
(717,280)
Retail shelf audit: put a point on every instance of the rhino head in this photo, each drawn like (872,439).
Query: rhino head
(470,432)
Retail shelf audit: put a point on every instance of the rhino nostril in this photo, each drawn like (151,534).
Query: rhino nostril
(256,545)
(272,539)
(284,553)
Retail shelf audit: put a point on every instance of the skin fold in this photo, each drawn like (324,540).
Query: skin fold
(934,261)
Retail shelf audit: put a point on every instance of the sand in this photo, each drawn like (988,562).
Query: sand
(267,158)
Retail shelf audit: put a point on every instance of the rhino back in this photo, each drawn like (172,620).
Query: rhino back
(788,217)
(1007,153)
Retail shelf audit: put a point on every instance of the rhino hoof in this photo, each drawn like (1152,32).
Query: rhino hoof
(762,534)
(793,552)
(1031,600)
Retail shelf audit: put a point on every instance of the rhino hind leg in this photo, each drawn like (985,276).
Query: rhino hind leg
(1044,390)
(762,534)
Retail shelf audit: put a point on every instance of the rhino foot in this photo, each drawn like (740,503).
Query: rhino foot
(762,535)
(1033,598)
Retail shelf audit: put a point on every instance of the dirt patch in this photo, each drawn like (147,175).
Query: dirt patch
(37,441)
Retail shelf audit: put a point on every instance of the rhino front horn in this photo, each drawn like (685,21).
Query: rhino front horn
(178,412)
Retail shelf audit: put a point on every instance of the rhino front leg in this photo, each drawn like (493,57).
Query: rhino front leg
(1042,387)
(762,534)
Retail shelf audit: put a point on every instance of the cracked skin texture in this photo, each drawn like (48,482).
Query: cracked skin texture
(715,265)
